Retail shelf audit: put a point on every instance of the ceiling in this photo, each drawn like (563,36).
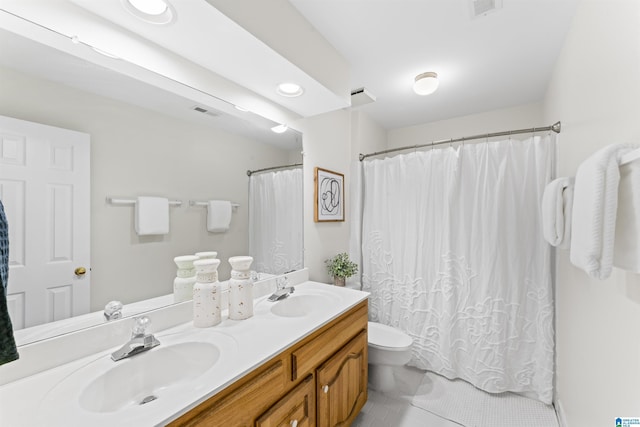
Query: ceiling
(38,60)
(496,60)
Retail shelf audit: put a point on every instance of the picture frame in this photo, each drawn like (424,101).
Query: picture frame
(328,196)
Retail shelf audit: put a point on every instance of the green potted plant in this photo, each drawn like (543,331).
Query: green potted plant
(341,267)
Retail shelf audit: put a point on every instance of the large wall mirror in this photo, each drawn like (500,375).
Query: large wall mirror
(145,141)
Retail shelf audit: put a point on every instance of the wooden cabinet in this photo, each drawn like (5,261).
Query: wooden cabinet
(291,386)
(342,384)
(296,409)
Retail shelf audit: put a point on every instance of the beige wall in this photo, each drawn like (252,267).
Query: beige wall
(595,90)
(140,152)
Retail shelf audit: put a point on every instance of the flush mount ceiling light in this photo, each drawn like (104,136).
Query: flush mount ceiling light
(426,83)
(280,128)
(152,11)
(290,90)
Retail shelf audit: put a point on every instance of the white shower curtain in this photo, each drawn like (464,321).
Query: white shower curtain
(453,254)
(275,221)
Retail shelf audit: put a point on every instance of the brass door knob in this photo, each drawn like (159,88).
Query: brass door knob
(80,271)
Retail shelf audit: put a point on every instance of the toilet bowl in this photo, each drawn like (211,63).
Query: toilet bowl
(388,347)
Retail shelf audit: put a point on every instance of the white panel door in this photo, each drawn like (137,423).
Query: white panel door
(44,187)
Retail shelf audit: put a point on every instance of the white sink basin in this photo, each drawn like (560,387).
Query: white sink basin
(139,379)
(181,366)
(299,305)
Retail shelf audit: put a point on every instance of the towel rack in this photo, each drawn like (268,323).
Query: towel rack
(196,203)
(115,201)
(630,157)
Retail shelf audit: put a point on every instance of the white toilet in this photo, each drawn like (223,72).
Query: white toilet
(388,347)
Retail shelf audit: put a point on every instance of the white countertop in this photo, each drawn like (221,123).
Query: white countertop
(51,397)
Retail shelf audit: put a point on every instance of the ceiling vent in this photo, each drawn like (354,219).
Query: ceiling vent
(361,96)
(483,7)
(203,110)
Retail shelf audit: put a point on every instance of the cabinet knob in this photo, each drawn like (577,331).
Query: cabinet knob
(294,423)
(325,389)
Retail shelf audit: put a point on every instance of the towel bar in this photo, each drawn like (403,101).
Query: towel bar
(196,203)
(115,201)
(630,157)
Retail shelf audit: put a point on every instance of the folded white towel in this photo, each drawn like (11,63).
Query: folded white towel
(557,202)
(218,215)
(626,252)
(595,202)
(152,216)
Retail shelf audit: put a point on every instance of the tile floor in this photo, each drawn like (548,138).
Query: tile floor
(394,409)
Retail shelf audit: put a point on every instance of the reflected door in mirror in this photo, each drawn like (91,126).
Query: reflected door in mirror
(44,186)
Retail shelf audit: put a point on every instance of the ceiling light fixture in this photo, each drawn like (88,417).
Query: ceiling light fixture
(290,90)
(152,11)
(426,83)
(280,128)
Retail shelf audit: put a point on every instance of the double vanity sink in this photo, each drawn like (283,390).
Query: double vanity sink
(190,366)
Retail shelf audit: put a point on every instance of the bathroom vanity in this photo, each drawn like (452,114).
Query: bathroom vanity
(301,361)
(321,381)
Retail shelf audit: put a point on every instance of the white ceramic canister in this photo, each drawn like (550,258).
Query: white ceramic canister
(240,288)
(206,294)
(207,255)
(185,278)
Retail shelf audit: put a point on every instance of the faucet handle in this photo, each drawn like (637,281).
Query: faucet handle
(282,282)
(140,326)
(113,310)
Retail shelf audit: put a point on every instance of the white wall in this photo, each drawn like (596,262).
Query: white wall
(367,136)
(520,117)
(140,152)
(326,145)
(595,91)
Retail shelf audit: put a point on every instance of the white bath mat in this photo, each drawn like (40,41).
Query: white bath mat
(460,402)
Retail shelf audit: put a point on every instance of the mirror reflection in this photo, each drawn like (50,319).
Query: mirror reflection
(136,141)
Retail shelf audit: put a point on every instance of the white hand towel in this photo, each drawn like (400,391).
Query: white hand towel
(557,201)
(626,252)
(218,215)
(152,216)
(595,202)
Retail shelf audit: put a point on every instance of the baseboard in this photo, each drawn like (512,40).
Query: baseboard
(562,420)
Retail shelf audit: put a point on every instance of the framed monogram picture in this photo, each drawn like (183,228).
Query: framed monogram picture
(328,196)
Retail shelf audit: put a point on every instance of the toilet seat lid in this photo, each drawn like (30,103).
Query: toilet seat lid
(386,336)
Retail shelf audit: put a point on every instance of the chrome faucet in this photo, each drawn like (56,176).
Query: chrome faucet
(140,340)
(113,310)
(282,290)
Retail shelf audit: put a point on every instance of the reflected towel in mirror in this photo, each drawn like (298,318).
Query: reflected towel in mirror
(218,215)
(152,216)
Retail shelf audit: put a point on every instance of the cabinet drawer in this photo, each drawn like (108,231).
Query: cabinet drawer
(296,408)
(239,405)
(305,358)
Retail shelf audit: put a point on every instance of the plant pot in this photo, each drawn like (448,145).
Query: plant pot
(338,281)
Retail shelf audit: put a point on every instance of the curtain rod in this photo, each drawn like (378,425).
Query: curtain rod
(554,127)
(250,172)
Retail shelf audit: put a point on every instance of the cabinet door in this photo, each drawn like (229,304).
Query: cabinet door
(342,384)
(296,409)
